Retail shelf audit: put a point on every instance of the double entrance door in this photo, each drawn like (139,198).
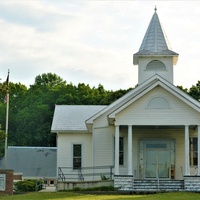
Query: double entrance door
(156,158)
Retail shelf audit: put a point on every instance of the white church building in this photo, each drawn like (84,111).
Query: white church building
(149,135)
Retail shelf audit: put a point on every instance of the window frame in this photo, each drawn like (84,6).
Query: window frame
(121,151)
(76,164)
(193,151)
(156,65)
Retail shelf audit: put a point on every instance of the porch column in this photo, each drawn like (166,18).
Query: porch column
(116,150)
(187,163)
(130,164)
(198,150)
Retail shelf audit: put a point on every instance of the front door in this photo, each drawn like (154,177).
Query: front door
(157,163)
(157,157)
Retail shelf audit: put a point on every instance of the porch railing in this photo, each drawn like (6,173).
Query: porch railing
(85,173)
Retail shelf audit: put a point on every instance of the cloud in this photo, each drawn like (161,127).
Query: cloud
(92,41)
(37,14)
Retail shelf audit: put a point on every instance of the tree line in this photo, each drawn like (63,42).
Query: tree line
(31,109)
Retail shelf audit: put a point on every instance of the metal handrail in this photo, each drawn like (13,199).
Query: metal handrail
(79,174)
(61,176)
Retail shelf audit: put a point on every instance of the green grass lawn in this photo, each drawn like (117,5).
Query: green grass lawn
(75,196)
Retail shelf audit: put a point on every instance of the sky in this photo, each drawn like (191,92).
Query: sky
(93,41)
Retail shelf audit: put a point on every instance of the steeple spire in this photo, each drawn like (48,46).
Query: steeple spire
(155,56)
(155,41)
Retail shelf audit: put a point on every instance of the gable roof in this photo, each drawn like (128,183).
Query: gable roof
(155,42)
(69,118)
(138,92)
(33,161)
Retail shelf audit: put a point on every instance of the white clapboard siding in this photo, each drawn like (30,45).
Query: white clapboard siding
(103,146)
(65,143)
(137,113)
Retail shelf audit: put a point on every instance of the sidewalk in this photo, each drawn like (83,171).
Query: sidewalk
(49,189)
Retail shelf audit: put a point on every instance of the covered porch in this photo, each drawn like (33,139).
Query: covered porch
(157,152)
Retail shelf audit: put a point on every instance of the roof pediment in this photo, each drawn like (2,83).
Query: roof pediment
(137,93)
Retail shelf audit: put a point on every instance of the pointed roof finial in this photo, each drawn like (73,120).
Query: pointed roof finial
(155,9)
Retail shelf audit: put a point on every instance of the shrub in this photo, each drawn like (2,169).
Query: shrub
(104,178)
(28,186)
(102,188)
(76,189)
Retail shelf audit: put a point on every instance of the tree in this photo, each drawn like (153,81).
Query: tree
(49,79)
(2,140)
(184,89)
(2,135)
(194,91)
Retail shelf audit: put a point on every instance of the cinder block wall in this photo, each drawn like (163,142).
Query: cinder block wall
(192,183)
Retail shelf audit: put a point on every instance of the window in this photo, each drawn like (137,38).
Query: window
(155,65)
(193,151)
(158,103)
(121,151)
(77,151)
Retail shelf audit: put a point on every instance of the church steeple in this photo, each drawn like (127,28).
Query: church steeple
(155,46)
